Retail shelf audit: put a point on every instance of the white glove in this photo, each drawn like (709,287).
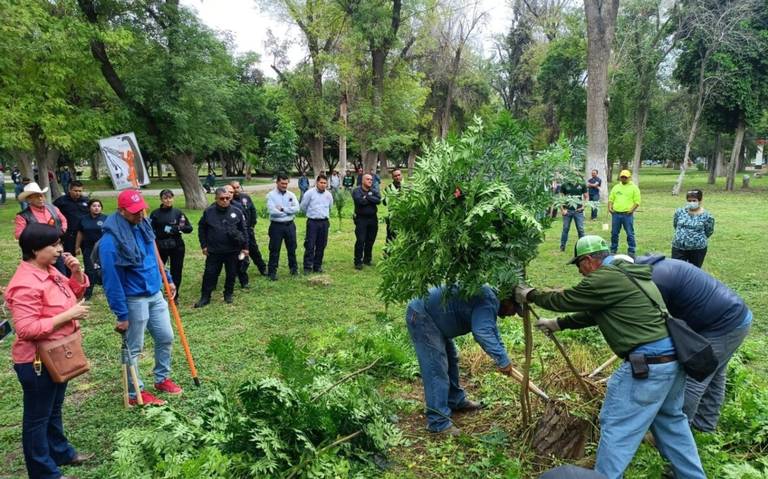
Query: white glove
(547,325)
(521,293)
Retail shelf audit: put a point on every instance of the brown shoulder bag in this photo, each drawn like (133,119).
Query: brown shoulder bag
(63,358)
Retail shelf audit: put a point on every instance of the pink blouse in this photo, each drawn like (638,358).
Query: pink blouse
(34,298)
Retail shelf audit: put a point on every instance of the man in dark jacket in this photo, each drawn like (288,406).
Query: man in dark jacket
(244,203)
(74,206)
(634,329)
(366,221)
(711,309)
(222,235)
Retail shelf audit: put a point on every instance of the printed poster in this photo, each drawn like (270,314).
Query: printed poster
(124,161)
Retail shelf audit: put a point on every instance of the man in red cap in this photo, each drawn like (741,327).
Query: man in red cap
(132,285)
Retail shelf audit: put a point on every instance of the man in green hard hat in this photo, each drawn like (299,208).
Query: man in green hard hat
(648,389)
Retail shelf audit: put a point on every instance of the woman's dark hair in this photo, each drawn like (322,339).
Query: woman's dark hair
(35,237)
(94,200)
(698,194)
(166,192)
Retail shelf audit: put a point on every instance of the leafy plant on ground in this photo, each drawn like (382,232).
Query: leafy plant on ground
(473,212)
(303,425)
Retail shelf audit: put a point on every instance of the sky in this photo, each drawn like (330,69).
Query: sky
(248,25)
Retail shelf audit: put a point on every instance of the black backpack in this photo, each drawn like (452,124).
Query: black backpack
(96,262)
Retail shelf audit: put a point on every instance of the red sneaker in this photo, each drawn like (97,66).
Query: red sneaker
(169,387)
(148,398)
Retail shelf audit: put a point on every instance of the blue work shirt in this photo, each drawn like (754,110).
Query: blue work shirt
(317,205)
(287,201)
(455,316)
(121,282)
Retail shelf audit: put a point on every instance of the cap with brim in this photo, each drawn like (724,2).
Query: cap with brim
(587,245)
(625,173)
(32,189)
(131,201)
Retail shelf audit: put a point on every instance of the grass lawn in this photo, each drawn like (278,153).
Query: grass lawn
(228,342)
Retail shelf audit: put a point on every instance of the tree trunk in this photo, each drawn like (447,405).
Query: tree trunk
(642,120)
(343,134)
(315,145)
(384,163)
(601,22)
(370,159)
(721,166)
(732,164)
(712,161)
(186,173)
(689,142)
(411,161)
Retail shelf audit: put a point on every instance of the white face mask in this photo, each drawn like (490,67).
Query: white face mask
(692,205)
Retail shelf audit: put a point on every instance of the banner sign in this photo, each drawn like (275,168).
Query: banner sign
(124,161)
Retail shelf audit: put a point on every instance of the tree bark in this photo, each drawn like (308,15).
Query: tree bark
(343,135)
(186,174)
(370,159)
(601,22)
(641,121)
(733,163)
(411,161)
(384,163)
(315,145)
(712,161)
(691,137)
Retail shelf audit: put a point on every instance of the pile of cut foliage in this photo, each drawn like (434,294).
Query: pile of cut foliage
(307,424)
(474,212)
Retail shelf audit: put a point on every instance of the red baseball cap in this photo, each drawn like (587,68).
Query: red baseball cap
(131,201)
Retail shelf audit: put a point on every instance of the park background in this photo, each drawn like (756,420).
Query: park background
(680,87)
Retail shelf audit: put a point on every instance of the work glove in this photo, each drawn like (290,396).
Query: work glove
(506,370)
(547,325)
(521,293)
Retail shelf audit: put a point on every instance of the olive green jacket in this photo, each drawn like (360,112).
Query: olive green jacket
(606,298)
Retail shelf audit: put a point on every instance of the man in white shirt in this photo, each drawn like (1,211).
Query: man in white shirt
(316,203)
(282,206)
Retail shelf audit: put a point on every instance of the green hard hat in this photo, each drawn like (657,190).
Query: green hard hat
(587,245)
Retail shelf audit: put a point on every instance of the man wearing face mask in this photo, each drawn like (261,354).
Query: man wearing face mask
(693,227)
(647,390)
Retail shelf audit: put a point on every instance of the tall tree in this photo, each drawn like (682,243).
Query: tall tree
(710,26)
(601,23)
(172,74)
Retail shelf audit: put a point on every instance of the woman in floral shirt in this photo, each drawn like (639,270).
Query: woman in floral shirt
(693,227)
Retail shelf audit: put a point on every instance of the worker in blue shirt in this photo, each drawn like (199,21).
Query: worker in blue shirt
(711,309)
(303,184)
(432,323)
(132,285)
(282,206)
(316,203)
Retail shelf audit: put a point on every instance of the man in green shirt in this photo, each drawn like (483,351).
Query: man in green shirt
(623,200)
(648,390)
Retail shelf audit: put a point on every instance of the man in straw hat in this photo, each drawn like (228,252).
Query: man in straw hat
(623,200)
(648,389)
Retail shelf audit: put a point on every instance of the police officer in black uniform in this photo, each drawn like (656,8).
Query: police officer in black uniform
(366,221)
(169,223)
(244,203)
(74,206)
(224,241)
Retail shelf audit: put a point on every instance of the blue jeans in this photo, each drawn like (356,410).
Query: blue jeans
(595,198)
(439,365)
(578,218)
(703,400)
(631,406)
(627,221)
(2,194)
(149,312)
(42,434)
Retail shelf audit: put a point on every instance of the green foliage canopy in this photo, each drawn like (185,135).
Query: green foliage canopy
(473,212)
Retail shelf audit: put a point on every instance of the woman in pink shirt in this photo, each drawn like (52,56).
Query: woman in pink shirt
(44,306)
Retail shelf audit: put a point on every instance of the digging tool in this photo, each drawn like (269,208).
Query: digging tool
(603,366)
(128,366)
(176,318)
(518,376)
(571,367)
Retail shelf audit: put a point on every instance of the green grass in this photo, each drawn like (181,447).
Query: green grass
(228,341)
